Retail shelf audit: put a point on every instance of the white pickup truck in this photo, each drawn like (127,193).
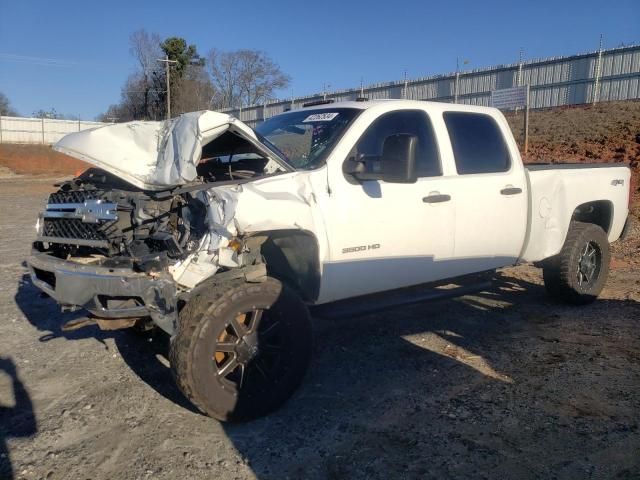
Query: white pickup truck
(224,236)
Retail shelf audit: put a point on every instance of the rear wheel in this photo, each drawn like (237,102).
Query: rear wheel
(240,352)
(578,273)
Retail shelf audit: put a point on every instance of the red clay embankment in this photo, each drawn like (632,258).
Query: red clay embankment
(38,160)
(606,132)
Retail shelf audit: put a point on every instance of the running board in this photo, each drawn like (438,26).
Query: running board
(386,301)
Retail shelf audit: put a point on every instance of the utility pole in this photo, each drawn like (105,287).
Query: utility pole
(457,82)
(325,87)
(520,68)
(406,84)
(519,78)
(596,83)
(166,62)
(264,108)
(455,93)
(526,124)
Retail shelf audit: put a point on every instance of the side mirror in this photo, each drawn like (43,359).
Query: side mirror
(395,165)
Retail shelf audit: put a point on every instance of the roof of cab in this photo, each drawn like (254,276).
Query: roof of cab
(394,104)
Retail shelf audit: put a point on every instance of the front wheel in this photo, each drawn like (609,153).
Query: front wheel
(578,273)
(241,350)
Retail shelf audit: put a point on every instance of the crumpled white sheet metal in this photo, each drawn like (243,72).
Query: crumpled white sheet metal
(154,155)
(234,210)
(157,155)
(221,208)
(180,150)
(196,267)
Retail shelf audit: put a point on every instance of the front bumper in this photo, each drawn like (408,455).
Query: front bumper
(106,292)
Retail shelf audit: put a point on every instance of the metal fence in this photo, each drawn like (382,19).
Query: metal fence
(603,75)
(39,130)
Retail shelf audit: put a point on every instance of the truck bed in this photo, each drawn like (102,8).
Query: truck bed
(568,166)
(557,189)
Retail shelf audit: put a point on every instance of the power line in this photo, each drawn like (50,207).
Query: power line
(56,62)
(49,62)
(153,90)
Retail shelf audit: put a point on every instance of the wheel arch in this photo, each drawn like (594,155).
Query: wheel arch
(598,212)
(291,256)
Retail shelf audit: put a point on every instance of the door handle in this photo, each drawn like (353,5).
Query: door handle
(511,191)
(437,198)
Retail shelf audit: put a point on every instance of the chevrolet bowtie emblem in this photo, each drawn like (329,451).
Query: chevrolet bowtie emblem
(91,211)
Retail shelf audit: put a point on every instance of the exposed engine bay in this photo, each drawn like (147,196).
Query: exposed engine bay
(138,234)
(101,218)
(97,213)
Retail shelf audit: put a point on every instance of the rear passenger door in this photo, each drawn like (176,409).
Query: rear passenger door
(490,193)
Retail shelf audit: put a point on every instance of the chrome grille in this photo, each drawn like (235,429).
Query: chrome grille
(76,229)
(75,196)
(79,218)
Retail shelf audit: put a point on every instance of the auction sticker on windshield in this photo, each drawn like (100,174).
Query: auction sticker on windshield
(321,117)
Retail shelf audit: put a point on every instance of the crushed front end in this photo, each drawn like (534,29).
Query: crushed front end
(135,237)
(104,291)
(108,247)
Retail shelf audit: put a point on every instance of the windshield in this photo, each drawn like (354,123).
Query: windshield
(305,137)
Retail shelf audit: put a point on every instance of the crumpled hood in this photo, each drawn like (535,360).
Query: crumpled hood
(155,155)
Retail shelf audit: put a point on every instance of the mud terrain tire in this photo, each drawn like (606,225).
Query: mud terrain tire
(578,273)
(242,349)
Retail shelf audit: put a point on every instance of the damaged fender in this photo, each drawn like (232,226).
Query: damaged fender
(242,210)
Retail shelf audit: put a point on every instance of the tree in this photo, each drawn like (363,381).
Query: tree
(51,113)
(244,77)
(137,102)
(184,77)
(5,107)
(113,114)
(192,92)
(143,93)
(241,77)
(176,49)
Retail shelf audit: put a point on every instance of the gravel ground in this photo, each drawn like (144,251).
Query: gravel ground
(502,384)
(6,173)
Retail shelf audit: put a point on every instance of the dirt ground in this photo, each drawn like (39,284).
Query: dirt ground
(502,384)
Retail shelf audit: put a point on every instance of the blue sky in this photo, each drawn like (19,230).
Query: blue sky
(334,42)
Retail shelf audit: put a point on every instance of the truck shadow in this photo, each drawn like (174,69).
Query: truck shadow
(16,421)
(47,317)
(139,350)
(454,388)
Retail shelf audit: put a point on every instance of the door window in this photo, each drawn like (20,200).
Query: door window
(478,144)
(413,122)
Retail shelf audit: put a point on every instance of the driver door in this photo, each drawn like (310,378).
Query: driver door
(386,235)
